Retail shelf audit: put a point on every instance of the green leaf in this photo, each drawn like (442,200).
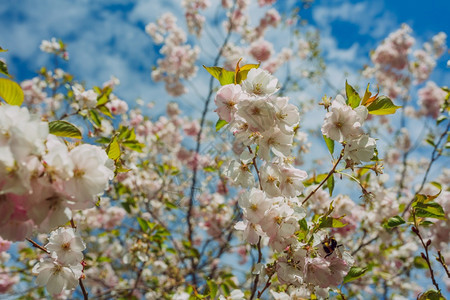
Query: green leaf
(102,100)
(104,110)
(330,222)
(214,71)
(353,98)
(213,288)
(330,144)
(3,50)
(64,129)
(171,205)
(209,169)
(143,224)
(113,149)
(330,184)
(425,223)
(225,290)
(224,76)
(437,185)
(382,106)
(4,69)
(431,295)
(101,259)
(11,92)
(367,95)
(303,224)
(394,222)
(420,262)
(220,123)
(429,210)
(103,140)
(95,117)
(133,145)
(354,273)
(242,72)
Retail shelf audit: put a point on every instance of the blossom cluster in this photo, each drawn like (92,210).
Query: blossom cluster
(179,58)
(55,47)
(62,270)
(395,69)
(194,18)
(43,178)
(264,125)
(344,125)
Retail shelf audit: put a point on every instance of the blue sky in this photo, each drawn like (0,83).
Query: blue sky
(106,37)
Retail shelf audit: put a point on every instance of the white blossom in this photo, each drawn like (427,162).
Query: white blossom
(259,82)
(360,149)
(57,277)
(92,172)
(66,245)
(342,123)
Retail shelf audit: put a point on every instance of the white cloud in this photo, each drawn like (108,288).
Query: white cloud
(369,16)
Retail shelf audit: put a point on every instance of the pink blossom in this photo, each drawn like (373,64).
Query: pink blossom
(7,281)
(393,51)
(191,128)
(117,106)
(317,272)
(431,97)
(422,67)
(4,245)
(261,50)
(226,99)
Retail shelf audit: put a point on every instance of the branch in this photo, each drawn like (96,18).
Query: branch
(268,283)
(36,245)
(440,259)
(136,283)
(83,289)
(363,244)
(425,256)
(255,282)
(197,149)
(326,178)
(256,168)
(434,156)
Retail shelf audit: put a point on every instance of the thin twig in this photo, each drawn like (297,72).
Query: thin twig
(255,282)
(256,167)
(326,178)
(138,278)
(440,259)
(197,151)
(363,244)
(36,245)
(425,255)
(434,156)
(268,283)
(83,289)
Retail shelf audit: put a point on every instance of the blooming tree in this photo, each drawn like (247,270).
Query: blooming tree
(99,200)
